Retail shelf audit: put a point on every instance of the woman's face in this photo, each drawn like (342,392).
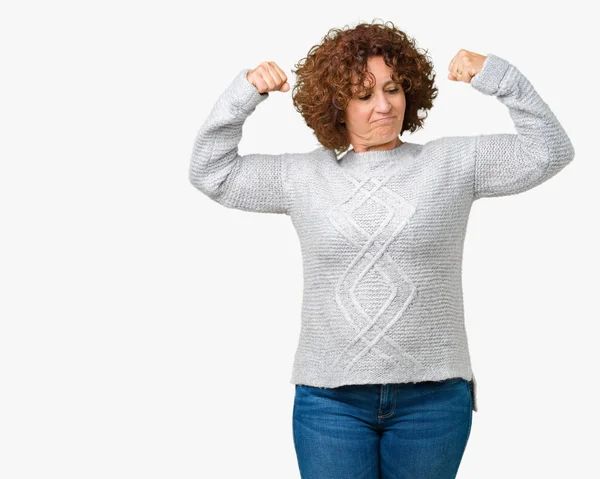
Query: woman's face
(364,114)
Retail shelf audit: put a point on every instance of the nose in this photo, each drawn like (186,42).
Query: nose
(382,102)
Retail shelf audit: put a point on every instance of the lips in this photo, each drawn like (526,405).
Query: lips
(383,120)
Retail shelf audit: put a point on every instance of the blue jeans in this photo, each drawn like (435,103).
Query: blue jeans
(382,431)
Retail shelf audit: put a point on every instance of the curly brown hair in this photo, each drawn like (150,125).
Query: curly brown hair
(324,78)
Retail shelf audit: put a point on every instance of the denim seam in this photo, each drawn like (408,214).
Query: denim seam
(393,404)
(468,385)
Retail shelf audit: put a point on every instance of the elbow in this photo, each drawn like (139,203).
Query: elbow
(570,151)
(564,153)
(564,147)
(202,183)
(195,179)
(560,156)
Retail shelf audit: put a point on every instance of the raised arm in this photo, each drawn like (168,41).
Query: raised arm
(254,182)
(506,164)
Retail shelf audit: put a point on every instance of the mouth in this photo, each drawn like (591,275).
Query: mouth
(384,120)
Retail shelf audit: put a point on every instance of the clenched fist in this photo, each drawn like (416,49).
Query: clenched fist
(268,77)
(465,65)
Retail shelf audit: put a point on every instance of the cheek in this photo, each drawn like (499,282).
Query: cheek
(402,102)
(358,116)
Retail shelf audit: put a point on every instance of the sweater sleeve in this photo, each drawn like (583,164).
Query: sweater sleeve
(254,182)
(506,164)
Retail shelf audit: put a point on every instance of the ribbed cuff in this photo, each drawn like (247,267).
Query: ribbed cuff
(492,72)
(245,95)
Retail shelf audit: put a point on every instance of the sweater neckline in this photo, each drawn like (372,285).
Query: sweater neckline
(377,160)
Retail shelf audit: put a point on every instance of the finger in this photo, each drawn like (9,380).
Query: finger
(455,67)
(463,70)
(458,65)
(459,71)
(274,71)
(283,78)
(469,71)
(259,81)
(275,79)
(264,77)
(266,72)
(282,74)
(453,61)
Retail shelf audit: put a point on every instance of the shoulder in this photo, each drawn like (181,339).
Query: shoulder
(306,164)
(311,159)
(449,153)
(449,145)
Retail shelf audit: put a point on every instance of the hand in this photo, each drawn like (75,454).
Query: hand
(468,63)
(268,77)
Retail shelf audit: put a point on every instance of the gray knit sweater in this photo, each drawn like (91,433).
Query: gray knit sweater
(382,232)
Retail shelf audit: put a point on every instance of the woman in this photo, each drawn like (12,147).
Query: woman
(383,378)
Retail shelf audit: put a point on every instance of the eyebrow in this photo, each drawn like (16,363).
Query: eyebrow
(387,83)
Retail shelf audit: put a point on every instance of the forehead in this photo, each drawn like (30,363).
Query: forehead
(378,68)
(377,64)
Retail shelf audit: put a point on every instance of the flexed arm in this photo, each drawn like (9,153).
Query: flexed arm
(254,182)
(506,164)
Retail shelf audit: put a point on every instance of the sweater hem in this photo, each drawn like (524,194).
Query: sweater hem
(307,379)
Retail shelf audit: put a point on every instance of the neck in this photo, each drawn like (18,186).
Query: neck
(361,149)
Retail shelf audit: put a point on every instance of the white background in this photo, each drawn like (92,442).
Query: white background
(148,332)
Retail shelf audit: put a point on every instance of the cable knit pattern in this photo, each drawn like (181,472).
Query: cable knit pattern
(382,232)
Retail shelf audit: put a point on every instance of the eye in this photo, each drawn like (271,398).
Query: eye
(366,97)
